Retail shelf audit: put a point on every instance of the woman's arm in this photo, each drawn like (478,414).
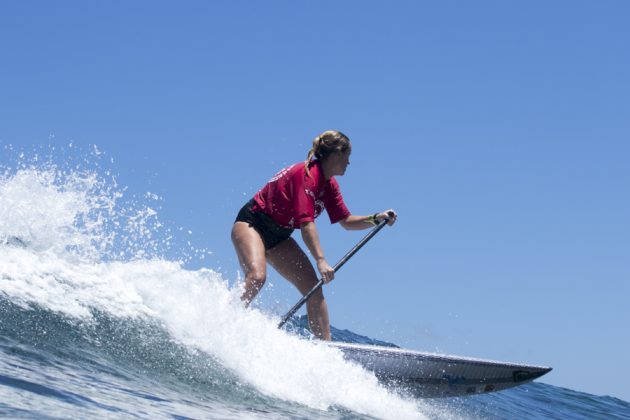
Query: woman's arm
(311,239)
(365,222)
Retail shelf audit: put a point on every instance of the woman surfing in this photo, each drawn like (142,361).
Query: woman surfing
(291,200)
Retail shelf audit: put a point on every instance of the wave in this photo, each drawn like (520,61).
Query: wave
(62,231)
(96,314)
(159,313)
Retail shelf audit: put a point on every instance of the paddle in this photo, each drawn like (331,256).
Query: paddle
(337,266)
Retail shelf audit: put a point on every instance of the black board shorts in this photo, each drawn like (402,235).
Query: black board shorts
(270,232)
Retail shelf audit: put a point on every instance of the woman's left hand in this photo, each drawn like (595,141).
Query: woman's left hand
(387,214)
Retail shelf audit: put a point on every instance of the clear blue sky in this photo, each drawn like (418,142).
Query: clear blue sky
(498,130)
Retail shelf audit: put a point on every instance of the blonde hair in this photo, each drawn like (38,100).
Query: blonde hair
(328,142)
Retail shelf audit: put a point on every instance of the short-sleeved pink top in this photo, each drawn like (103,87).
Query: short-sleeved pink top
(293,197)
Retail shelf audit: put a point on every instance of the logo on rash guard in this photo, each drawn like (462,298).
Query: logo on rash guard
(319,204)
(280,174)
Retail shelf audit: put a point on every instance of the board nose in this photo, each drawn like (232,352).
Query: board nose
(529,375)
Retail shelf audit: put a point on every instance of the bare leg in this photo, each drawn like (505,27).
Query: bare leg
(288,259)
(251,254)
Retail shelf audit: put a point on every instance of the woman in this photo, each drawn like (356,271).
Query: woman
(292,199)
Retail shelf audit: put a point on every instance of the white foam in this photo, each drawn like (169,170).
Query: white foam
(198,308)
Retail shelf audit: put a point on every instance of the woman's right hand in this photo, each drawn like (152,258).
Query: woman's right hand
(325,270)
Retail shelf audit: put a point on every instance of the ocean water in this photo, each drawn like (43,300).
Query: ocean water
(97,320)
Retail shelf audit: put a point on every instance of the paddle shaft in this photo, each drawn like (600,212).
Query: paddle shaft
(337,266)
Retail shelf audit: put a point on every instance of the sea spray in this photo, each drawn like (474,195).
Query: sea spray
(199,310)
(70,202)
(71,229)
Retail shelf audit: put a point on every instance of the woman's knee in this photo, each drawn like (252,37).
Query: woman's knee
(317,298)
(254,281)
(256,276)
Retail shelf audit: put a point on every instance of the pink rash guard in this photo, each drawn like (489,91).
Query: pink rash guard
(293,197)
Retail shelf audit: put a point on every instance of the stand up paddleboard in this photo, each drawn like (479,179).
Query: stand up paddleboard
(428,375)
